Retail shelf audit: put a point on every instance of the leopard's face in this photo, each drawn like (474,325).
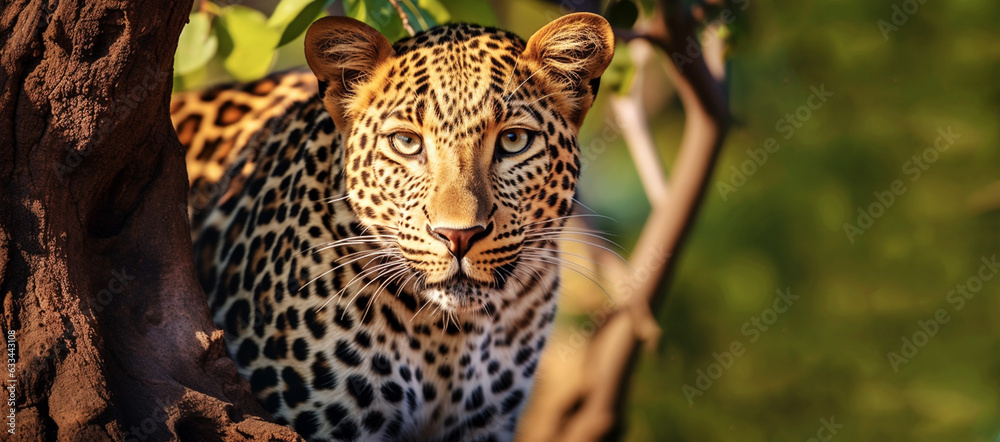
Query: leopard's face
(460,152)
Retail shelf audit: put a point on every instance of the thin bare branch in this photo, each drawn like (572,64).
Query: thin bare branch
(402,16)
(587,407)
(635,130)
(628,110)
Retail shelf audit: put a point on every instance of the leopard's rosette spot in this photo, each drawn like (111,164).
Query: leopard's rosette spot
(377,244)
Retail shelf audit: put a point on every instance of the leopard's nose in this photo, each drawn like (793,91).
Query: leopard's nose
(460,240)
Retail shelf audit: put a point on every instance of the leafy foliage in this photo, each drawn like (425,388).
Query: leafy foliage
(240,43)
(197,44)
(295,16)
(246,43)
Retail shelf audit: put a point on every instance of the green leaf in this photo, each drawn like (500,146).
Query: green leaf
(286,11)
(246,43)
(293,17)
(196,46)
(619,74)
(648,7)
(464,11)
(381,15)
(190,80)
(434,10)
(378,14)
(424,14)
(622,14)
(356,9)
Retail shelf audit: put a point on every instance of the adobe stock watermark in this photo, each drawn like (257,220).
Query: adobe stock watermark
(752,329)
(900,15)
(787,126)
(930,327)
(597,146)
(626,288)
(10,383)
(828,428)
(914,168)
(150,425)
(116,285)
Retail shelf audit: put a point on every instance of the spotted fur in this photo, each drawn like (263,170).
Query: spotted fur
(370,290)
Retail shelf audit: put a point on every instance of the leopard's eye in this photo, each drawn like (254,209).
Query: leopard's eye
(406,143)
(514,141)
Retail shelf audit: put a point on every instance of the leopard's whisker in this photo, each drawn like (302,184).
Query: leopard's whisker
(426,303)
(437,307)
(361,239)
(557,263)
(509,77)
(350,238)
(540,99)
(558,260)
(581,204)
(398,274)
(361,275)
(575,255)
(591,244)
(367,253)
(334,199)
(567,217)
(570,231)
(385,268)
(512,277)
(349,246)
(511,94)
(321,248)
(402,287)
(527,268)
(564,236)
(603,234)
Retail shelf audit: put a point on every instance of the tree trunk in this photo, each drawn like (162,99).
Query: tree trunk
(106,325)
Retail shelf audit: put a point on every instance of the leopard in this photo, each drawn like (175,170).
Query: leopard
(376,236)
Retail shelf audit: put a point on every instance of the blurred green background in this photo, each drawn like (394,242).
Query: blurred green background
(836,352)
(784,228)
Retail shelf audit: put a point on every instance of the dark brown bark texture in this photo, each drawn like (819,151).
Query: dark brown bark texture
(111,332)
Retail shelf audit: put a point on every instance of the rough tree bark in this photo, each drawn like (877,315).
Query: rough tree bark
(100,301)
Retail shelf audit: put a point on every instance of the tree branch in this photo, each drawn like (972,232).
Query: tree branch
(590,407)
(635,129)
(403,17)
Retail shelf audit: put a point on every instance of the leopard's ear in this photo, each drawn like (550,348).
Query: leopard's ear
(574,50)
(343,53)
